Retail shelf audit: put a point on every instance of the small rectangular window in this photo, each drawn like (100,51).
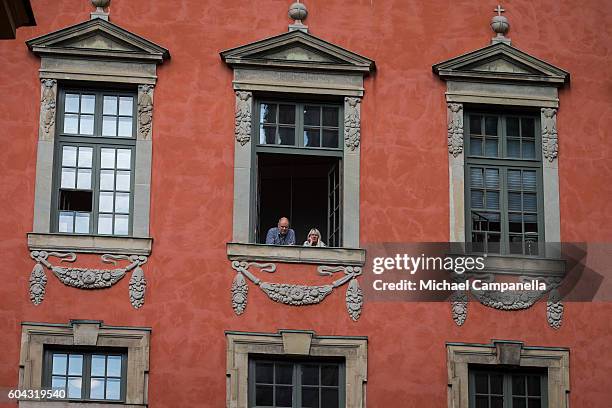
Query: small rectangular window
(507,388)
(89,374)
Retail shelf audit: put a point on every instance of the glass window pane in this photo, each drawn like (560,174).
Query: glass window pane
(496,383)
(107,179)
(514,180)
(286,114)
(528,150)
(267,135)
(531,223)
(312,138)
(329,398)
(284,397)
(492,200)
(491,147)
(519,403)
(527,127)
(88,103)
(330,138)
(58,383)
(264,373)
(284,374)
(329,375)
(475,125)
(84,179)
(529,180)
(515,223)
(267,113)
(113,366)
(312,115)
(124,159)
(514,148)
(530,203)
(74,387)
(287,136)
(81,223)
(107,158)
(497,402)
(482,385)
(110,105)
(477,199)
(122,224)
(475,146)
(310,397)
(492,178)
(122,203)
(482,401)
(125,127)
(59,363)
(514,201)
(69,154)
(97,388)
(98,364)
(534,403)
(75,364)
(65,221)
(476,179)
(123,181)
(516,244)
(491,125)
(330,116)
(113,389)
(109,126)
(105,224)
(72,103)
(310,374)
(264,395)
(85,156)
(512,127)
(533,385)
(87,125)
(68,178)
(126,105)
(71,123)
(106,202)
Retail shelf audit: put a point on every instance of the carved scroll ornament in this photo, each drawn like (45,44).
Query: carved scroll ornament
(48,108)
(87,278)
(296,295)
(352,122)
(550,144)
(243,117)
(145,111)
(455,129)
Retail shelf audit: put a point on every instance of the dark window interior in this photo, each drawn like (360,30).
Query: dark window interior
(294,186)
(75,200)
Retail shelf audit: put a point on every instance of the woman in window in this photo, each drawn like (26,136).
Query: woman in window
(314,239)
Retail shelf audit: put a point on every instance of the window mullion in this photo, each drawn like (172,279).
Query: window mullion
(503,206)
(299,124)
(297,385)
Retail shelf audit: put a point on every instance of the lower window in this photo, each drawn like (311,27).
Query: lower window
(287,383)
(87,375)
(508,388)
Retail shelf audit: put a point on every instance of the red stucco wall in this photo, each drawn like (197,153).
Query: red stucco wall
(404,187)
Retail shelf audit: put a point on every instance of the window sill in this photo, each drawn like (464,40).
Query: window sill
(296,254)
(524,265)
(76,404)
(94,244)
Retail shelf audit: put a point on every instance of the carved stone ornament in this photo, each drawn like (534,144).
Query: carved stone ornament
(87,278)
(48,108)
(455,129)
(145,111)
(296,295)
(352,122)
(550,144)
(244,111)
(511,300)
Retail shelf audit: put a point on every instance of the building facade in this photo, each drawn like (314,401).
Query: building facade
(150,146)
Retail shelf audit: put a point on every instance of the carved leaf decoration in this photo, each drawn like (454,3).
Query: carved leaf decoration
(85,278)
(459,307)
(138,286)
(38,282)
(354,299)
(554,310)
(240,290)
(296,295)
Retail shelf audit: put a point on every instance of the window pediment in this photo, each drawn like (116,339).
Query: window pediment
(97,38)
(501,62)
(297,49)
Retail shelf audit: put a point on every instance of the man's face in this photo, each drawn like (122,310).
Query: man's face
(283,226)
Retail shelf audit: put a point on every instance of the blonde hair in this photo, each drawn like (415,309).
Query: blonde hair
(314,231)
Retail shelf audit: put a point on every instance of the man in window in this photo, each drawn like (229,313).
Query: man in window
(282,234)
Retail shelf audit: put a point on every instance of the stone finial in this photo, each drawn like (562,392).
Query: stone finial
(100,5)
(500,25)
(298,12)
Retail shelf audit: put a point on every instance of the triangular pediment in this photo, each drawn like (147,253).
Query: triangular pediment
(500,62)
(97,38)
(297,49)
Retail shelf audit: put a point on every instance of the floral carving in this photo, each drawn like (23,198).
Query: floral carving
(455,129)
(459,307)
(48,108)
(296,295)
(145,111)
(554,310)
(87,278)
(240,291)
(243,117)
(352,122)
(550,145)
(354,299)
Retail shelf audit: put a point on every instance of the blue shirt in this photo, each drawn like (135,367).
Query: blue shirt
(274,237)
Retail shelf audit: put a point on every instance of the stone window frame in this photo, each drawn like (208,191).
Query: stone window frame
(36,336)
(501,353)
(94,53)
(297,343)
